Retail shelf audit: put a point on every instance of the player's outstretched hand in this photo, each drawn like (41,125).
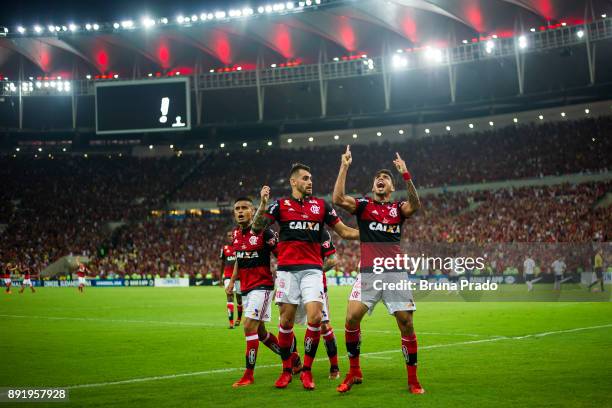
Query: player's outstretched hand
(230,288)
(400,164)
(265,193)
(347,158)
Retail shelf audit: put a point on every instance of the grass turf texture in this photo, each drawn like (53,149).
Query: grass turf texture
(58,337)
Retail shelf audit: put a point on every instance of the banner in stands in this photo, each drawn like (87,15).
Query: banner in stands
(171,282)
(19,281)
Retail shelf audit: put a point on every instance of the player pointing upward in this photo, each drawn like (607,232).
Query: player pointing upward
(380,223)
(299,276)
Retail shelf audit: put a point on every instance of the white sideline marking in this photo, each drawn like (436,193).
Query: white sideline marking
(95,319)
(433,346)
(431,333)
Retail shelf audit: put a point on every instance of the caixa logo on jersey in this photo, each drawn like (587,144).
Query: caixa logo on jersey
(391,229)
(304,225)
(247,254)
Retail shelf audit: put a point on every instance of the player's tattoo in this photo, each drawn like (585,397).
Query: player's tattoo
(413,196)
(260,222)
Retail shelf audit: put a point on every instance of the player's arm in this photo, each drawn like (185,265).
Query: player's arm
(339,196)
(221,268)
(230,287)
(330,262)
(263,217)
(413,203)
(345,231)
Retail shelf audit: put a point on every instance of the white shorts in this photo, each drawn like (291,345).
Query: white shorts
(26,282)
(226,282)
(7,280)
(300,314)
(395,300)
(82,280)
(258,305)
(299,287)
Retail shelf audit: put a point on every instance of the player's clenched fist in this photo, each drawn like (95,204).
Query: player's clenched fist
(265,193)
(347,159)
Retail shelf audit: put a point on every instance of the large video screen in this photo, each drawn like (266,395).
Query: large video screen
(155,105)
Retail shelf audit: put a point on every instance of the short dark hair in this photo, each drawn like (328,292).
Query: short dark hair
(295,167)
(387,172)
(243,199)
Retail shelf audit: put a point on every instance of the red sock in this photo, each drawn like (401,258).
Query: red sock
(409,349)
(271,342)
(252,344)
(311,343)
(285,338)
(239,311)
(353,344)
(230,312)
(331,347)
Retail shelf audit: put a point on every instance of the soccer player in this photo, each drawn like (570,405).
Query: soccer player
(26,279)
(252,266)
(228,257)
(300,268)
(380,221)
(10,268)
(81,271)
(328,253)
(598,266)
(529,271)
(558,267)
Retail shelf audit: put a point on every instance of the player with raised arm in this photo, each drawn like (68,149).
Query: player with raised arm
(81,271)
(300,268)
(9,269)
(252,267)
(27,281)
(380,221)
(228,257)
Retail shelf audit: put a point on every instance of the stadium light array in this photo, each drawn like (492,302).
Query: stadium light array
(289,140)
(522,42)
(433,55)
(401,131)
(587,111)
(541,117)
(580,34)
(562,114)
(491,123)
(244,144)
(448,128)
(336,137)
(515,120)
(269,143)
(399,62)
(471,126)
(21,30)
(489,46)
(311,139)
(222,145)
(354,135)
(427,131)
(379,134)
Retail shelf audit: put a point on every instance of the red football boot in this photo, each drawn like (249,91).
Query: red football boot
(284,380)
(306,378)
(354,376)
(247,379)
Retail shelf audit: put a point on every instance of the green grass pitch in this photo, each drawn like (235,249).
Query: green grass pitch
(165,347)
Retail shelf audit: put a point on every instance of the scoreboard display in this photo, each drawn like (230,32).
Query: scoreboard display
(154,105)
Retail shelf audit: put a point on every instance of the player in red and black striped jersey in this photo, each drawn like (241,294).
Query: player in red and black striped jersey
(9,269)
(299,274)
(81,272)
(228,257)
(328,253)
(380,221)
(252,267)
(25,271)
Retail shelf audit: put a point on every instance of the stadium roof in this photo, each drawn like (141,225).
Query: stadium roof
(297,34)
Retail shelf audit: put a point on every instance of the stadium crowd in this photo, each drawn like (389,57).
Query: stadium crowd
(525,151)
(56,207)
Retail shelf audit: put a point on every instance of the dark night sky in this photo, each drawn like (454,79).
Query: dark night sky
(59,12)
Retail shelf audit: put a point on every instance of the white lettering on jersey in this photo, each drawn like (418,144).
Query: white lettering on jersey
(304,225)
(391,229)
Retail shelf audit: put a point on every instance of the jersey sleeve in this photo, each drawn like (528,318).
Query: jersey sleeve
(400,204)
(361,205)
(327,245)
(273,212)
(271,239)
(330,218)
